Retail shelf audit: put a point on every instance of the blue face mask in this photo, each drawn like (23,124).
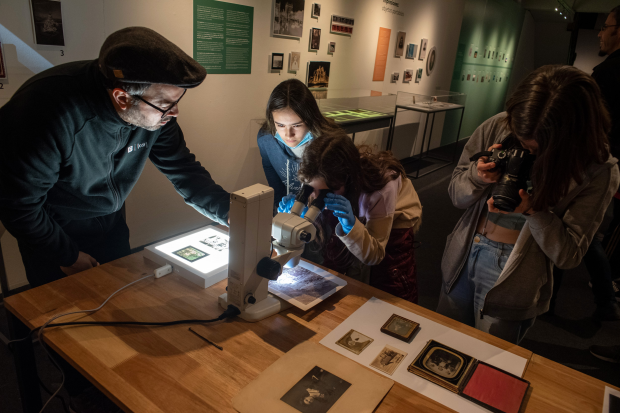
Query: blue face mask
(307,138)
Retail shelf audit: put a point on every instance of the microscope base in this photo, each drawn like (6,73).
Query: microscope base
(259,311)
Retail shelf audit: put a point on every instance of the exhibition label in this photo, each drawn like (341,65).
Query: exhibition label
(223,36)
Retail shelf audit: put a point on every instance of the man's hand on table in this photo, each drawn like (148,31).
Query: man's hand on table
(83,263)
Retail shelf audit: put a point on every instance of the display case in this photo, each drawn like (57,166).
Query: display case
(439,100)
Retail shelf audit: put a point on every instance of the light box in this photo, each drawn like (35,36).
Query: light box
(201,256)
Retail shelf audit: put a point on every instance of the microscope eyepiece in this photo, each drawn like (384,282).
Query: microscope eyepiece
(304,194)
(319,201)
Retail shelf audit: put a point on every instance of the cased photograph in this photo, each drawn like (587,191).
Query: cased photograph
(388,359)
(288,18)
(277,61)
(316,9)
(430,62)
(408,76)
(316,392)
(47,21)
(423,45)
(315,38)
(302,284)
(190,253)
(318,75)
(398,326)
(400,44)
(331,47)
(411,51)
(443,362)
(3,72)
(294,61)
(354,341)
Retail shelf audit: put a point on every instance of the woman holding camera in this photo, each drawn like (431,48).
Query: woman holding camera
(497,265)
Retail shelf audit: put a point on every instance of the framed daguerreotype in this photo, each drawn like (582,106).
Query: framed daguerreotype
(354,341)
(397,326)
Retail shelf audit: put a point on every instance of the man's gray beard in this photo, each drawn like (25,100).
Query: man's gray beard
(133,116)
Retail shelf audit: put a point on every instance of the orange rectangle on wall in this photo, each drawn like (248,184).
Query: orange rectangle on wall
(383,45)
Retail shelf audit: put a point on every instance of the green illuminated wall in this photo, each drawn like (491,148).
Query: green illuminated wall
(489,26)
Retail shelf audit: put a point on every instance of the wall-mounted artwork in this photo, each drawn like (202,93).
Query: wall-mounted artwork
(331,48)
(430,62)
(294,60)
(418,75)
(316,10)
(318,75)
(408,76)
(342,25)
(47,22)
(395,77)
(411,51)
(288,18)
(3,73)
(277,61)
(423,45)
(315,38)
(400,44)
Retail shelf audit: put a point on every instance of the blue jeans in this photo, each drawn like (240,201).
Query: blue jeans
(483,267)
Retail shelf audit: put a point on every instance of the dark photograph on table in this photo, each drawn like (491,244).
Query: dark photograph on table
(316,392)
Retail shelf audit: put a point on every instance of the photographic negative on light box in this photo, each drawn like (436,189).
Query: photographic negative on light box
(423,45)
(190,253)
(430,62)
(418,75)
(342,25)
(47,22)
(294,61)
(400,44)
(315,38)
(331,47)
(318,75)
(354,341)
(408,76)
(316,392)
(316,9)
(288,18)
(277,61)
(411,51)
(388,359)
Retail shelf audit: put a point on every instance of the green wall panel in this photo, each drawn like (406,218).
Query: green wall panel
(487,47)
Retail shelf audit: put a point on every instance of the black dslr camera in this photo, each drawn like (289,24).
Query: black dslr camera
(516,165)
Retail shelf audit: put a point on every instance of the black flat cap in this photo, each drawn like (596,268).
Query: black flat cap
(141,55)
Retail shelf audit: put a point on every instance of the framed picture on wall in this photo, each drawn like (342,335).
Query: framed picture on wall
(3,72)
(423,45)
(411,51)
(316,9)
(315,38)
(400,44)
(408,76)
(395,77)
(294,60)
(418,75)
(342,25)
(47,22)
(331,47)
(277,61)
(288,18)
(318,75)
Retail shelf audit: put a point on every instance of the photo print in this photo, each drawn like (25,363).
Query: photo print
(316,10)
(408,76)
(277,61)
(418,75)
(315,38)
(318,75)
(217,242)
(400,327)
(395,77)
(388,359)
(342,25)
(411,51)
(288,18)
(331,47)
(302,284)
(3,72)
(423,45)
(354,341)
(190,254)
(430,62)
(47,22)
(294,61)
(316,392)
(400,44)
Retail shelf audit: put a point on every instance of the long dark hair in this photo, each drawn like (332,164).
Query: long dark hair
(561,108)
(293,94)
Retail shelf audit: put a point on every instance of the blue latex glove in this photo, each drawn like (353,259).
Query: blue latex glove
(287,203)
(342,210)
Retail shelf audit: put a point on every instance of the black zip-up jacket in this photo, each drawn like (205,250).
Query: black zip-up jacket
(607,75)
(66,155)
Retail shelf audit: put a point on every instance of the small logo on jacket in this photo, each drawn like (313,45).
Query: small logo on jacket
(135,147)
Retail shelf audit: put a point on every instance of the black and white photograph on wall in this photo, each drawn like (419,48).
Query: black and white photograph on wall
(288,18)
(277,61)
(3,72)
(342,25)
(430,62)
(400,44)
(423,45)
(418,75)
(331,47)
(395,77)
(316,392)
(315,38)
(316,9)
(408,76)
(294,61)
(318,75)
(47,22)
(411,51)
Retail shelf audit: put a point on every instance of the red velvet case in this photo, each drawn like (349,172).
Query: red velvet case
(495,389)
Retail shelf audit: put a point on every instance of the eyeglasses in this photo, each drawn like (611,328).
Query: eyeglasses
(164,112)
(605,26)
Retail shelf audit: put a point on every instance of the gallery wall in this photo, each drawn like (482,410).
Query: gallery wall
(220,118)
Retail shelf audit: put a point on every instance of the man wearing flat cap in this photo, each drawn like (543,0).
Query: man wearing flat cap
(75,139)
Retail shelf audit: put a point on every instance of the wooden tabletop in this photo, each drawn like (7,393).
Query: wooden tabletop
(169,369)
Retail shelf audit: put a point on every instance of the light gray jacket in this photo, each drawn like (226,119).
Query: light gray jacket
(559,237)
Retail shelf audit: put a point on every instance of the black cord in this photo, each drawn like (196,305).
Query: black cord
(48,391)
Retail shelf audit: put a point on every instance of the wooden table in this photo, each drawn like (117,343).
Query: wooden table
(169,369)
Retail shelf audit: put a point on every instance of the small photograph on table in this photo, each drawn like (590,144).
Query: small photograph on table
(388,359)
(302,284)
(354,341)
(400,327)
(316,392)
(190,254)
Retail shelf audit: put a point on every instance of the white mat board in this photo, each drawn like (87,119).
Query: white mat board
(368,320)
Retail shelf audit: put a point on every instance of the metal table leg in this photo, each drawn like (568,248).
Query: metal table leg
(25,366)
(458,133)
(420,156)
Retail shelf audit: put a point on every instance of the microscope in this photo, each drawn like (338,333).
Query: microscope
(254,234)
